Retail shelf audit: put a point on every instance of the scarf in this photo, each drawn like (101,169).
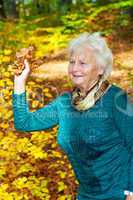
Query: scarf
(82,102)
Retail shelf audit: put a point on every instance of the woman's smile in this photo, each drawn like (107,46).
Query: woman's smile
(77,76)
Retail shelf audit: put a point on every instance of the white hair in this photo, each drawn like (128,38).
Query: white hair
(102,52)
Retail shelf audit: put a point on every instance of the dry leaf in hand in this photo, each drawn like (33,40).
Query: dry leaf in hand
(24,53)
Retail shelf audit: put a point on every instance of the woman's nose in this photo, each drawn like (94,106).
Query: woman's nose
(76,66)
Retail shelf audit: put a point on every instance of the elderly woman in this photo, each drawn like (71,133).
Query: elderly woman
(95,121)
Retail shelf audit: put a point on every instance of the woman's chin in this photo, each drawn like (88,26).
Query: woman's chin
(77,83)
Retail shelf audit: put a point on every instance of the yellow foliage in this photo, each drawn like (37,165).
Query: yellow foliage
(65,197)
(31,83)
(46,90)
(23,145)
(8,115)
(5,59)
(56,154)
(2,83)
(37,152)
(35,103)
(24,168)
(40,138)
(8,81)
(1,134)
(54,145)
(5,92)
(48,95)
(53,165)
(4,125)
(6,142)
(61,174)
(4,186)
(61,186)
(20,182)
(7,74)
(7,52)
(2,172)
(62,197)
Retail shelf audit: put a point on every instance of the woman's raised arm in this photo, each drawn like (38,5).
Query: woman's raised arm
(25,120)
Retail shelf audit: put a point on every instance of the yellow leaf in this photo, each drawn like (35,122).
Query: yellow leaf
(48,94)
(61,186)
(7,74)
(4,125)
(63,197)
(46,90)
(35,104)
(56,154)
(61,173)
(7,52)
(6,59)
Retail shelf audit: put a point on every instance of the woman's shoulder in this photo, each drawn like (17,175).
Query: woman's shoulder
(120,95)
(114,92)
(117,90)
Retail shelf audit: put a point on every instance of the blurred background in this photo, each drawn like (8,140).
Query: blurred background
(32,165)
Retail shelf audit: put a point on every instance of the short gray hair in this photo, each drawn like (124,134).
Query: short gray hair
(97,43)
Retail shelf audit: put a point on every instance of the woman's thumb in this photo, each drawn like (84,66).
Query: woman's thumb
(26,64)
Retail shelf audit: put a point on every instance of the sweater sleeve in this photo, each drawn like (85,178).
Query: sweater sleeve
(123,116)
(25,120)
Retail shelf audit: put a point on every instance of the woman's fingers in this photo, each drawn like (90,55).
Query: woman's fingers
(26,70)
(23,73)
(26,64)
(127,197)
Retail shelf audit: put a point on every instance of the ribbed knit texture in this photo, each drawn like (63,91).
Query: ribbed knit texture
(98,142)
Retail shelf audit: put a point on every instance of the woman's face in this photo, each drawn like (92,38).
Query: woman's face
(82,68)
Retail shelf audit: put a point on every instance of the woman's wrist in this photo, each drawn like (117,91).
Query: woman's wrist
(127,192)
(19,86)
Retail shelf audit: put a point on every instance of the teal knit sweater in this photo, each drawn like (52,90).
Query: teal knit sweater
(98,141)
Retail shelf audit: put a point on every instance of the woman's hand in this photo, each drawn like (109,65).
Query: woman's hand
(20,80)
(129,197)
(25,72)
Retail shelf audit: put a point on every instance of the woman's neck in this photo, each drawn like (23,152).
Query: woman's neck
(85,89)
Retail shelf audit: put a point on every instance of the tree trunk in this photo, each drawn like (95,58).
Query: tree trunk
(101,2)
(131,11)
(11,9)
(65,5)
(2,10)
(67,1)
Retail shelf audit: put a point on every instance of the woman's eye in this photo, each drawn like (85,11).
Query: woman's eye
(83,63)
(71,62)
